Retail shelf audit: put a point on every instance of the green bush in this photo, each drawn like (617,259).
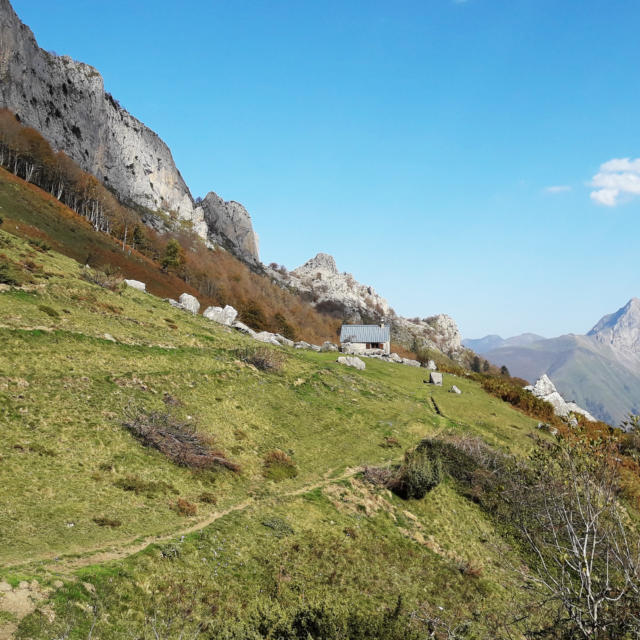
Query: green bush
(418,475)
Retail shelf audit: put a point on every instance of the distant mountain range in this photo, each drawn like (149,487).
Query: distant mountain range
(599,371)
(491,342)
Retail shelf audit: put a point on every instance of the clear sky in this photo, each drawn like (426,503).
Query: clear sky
(462,157)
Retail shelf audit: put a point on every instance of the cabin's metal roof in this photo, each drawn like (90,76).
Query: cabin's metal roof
(364,333)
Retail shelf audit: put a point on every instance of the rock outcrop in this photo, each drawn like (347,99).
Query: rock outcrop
(546,390)
(66,102)
(226,315)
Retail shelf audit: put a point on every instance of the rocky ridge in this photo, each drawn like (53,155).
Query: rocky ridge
(66,102)
(331,291)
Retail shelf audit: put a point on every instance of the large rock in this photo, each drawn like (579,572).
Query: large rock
(65,100)
(189,303)
(136,284)
(349,361)
(455,390)
(328,346)
(431,365)
(226,316)
(410,363)
(435,378)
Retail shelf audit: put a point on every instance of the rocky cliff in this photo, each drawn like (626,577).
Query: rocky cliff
(331,291)
(65,100)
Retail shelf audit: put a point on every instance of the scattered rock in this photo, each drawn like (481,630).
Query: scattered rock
(394,357)
(435,378)
(410,363)
(189,303)
(431,365)
(226,316)
(302,345)
(136,284)
(285,342)
(266,337)
(352,362)
(455,389)
(328,346)
(240,326)
(109,337)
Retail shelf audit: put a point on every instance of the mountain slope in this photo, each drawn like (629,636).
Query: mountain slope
(65,100)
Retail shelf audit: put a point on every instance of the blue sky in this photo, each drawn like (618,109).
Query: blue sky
(461,157)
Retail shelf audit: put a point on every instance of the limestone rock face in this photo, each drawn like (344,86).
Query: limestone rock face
(229,225)
(438,332)
(66,102)
(356,363)
(546,390)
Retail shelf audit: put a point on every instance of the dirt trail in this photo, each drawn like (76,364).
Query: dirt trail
(99,556)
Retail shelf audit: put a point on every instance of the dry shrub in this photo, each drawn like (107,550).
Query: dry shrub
(184,507)
(179,441)
(279,466)
(94,276)
(208,498)
(377,476)
(261,358)
(147,487)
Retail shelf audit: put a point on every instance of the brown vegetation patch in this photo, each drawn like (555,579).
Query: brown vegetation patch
(179,441)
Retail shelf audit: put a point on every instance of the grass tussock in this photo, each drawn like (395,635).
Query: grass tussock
(279,466)
(177,440)
(103,521)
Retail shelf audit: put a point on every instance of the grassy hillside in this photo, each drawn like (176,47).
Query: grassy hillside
(78,489)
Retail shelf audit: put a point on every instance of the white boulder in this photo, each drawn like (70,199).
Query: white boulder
(267,338)
(328,346)
(435,378)
(189,303)
(136,284)
(431,365)
(226,316)
(410,363)
(546,390)
(455,389)
(352,362)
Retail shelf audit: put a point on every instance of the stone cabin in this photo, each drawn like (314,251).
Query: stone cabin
(359,338)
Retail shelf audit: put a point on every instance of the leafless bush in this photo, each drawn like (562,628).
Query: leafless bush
(107,281)
(179,441)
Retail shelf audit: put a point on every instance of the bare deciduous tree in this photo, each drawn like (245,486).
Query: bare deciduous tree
(586,551)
